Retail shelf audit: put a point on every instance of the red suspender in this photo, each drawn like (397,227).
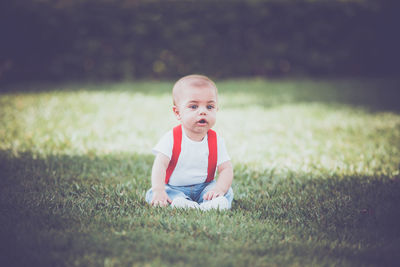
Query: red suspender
(176,150)
(212,155)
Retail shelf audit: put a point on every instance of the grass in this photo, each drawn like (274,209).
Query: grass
(316,164)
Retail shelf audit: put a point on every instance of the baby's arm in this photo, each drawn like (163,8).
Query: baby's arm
(160,197)
(224,182)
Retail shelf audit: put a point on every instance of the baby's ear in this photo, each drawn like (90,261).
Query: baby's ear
(176,112)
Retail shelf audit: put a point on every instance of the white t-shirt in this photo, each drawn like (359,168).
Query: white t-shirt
(192,164)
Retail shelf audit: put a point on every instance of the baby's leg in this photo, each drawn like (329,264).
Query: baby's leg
(183,200)
(221,202)
(184,203)
(177,195)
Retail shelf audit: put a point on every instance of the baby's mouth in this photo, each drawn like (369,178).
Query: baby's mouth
(202,121)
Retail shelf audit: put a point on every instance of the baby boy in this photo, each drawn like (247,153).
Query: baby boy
(188,156)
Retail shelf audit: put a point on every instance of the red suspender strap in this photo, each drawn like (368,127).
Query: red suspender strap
(176,150)
(212,155)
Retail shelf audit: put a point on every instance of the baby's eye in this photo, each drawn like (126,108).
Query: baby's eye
(193,106)
(210,107)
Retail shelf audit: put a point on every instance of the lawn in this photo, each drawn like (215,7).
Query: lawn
(316,163)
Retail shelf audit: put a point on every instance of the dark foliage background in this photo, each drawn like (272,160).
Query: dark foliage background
(127,39)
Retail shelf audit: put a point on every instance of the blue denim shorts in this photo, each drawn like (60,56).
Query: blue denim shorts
(191,192)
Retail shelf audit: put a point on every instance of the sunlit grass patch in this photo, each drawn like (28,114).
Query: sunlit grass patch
(316,176)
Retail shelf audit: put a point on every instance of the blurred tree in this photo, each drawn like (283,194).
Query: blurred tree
(126,39)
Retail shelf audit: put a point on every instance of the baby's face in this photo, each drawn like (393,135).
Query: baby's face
(196,108)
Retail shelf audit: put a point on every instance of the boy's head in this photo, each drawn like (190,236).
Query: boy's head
(195,104)
(191,81)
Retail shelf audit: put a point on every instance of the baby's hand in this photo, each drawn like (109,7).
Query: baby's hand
(160,198)
(213,193)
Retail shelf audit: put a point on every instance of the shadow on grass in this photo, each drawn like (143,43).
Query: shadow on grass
(49,204)
(371,94)
(58,208)
(356,216)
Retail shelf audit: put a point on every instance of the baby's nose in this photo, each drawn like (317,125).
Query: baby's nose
(203,110)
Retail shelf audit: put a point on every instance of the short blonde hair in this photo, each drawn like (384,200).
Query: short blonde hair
(194,80)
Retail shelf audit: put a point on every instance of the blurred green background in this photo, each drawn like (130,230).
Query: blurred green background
(111,40)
